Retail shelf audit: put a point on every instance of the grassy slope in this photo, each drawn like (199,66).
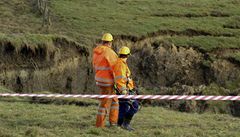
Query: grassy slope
(31,40)
(206,43)
(24,119)
(16,16)
(139,17)
(136,17)
(86,20)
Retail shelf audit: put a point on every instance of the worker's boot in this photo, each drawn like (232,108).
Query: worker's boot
(126,123)
(114,126)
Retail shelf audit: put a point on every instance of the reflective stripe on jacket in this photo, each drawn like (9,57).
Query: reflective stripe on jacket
(122,75)
(103,60)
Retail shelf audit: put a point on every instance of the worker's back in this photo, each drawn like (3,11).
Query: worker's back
(104,59)
(122,75)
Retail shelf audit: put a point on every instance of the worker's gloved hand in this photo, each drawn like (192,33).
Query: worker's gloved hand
(124,92)
(132,92)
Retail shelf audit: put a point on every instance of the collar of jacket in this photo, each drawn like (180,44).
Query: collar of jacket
(106,46)
(123,60)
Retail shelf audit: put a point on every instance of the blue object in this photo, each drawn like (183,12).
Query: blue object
(127,108)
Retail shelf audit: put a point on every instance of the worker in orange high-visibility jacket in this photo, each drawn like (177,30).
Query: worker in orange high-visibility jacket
(125,86)
(104,59)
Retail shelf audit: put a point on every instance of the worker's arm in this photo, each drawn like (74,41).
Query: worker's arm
(130,83)
(120,77)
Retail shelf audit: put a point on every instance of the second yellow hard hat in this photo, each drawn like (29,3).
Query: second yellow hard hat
(124,51)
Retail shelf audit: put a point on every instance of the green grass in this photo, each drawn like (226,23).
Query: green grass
(17,17)
(33,41)
(27,39)
(24,119)
(4,90)
(236,56)
(86,20)
(206,43)
(136,17)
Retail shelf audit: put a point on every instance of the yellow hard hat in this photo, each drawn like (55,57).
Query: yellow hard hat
(107,37)
(124,51)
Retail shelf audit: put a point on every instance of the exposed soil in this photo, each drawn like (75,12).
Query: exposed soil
(65,67)
(62,66)
(157,63)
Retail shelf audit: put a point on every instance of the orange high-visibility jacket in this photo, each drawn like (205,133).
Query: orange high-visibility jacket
(122,76)
(103,60)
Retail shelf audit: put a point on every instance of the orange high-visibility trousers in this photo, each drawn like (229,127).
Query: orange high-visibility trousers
(107,105)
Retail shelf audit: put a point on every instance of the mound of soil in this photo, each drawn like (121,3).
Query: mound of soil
(58,65)
(164,68)
(157,63)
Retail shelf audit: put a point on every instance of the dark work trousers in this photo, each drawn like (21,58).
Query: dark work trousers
(127,109)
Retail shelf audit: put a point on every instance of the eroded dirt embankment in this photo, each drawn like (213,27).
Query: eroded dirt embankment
(62,65)
(157,63)
(56,64)
(164,68)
